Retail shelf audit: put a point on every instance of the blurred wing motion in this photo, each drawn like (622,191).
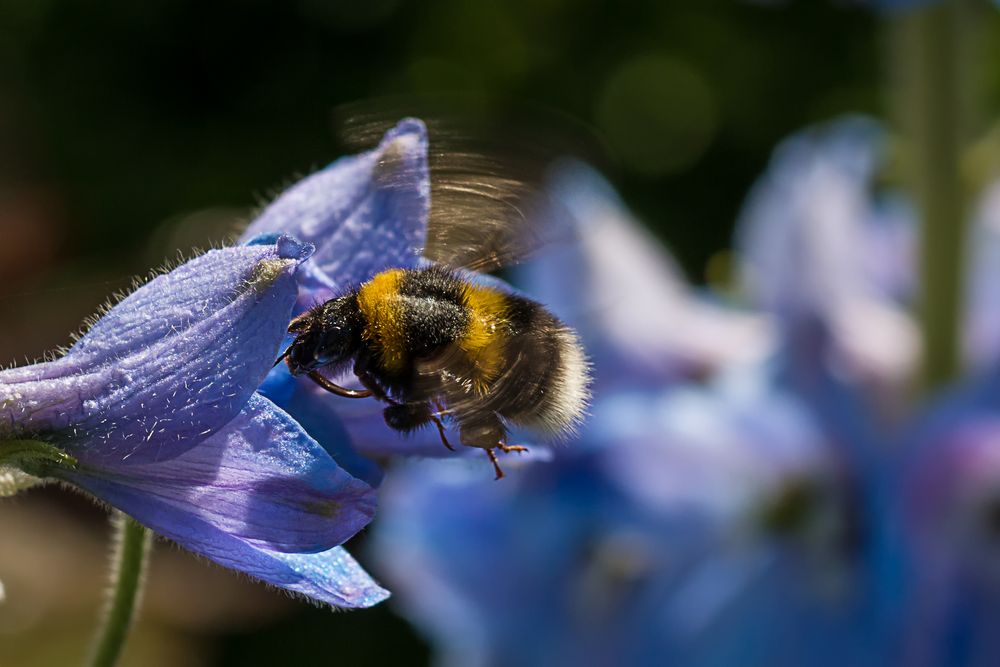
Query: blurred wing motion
(489,205)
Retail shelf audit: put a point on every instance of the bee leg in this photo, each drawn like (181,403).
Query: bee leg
(440,426)
(369,383)
(337,389)
(406,417)
(441,432)
(507,449)
(487,432)
(496,464)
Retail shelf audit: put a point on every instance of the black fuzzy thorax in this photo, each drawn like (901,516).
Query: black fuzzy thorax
(435,313)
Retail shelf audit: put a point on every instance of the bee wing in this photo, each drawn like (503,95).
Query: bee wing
(489,210)
(489,204)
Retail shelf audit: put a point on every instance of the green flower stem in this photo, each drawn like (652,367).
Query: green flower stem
(129,560)
(934,54)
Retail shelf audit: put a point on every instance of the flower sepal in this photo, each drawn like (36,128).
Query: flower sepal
(33,457)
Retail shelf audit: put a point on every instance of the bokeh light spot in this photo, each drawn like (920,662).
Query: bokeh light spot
(658,114)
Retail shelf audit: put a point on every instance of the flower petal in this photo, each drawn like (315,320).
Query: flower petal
(331,576)
(806,369)
(319,413)
(187,295)
(261,479)
(167,366)
(166,397)
(717,451)
(813,241)
(626,295)
(364,213)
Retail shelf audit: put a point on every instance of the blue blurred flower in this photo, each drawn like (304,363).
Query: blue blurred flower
(815,244)
(711,531)
(157,406)
(754,486)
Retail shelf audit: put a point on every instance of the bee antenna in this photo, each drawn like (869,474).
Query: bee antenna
(284,355)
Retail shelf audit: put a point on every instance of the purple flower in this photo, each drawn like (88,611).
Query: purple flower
(157,407)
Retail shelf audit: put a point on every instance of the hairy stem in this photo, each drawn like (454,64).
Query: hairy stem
(132,543)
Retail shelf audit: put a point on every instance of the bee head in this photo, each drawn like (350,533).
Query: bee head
(327,335)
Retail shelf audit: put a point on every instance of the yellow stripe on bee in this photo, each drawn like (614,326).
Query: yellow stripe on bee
(379,302)
(486,333)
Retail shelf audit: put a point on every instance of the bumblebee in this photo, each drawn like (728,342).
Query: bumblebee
(433,344)
(442,343)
